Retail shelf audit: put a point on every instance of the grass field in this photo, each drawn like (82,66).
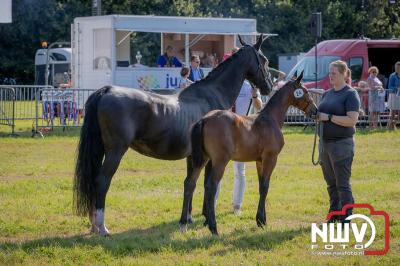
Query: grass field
(37,225)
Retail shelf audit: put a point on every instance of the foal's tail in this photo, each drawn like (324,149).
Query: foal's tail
(90,156)
(197,144)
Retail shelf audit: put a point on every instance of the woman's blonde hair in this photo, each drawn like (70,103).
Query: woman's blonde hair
(341,66)
(373,68)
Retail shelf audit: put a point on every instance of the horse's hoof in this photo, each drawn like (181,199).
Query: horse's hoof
(261,223)
(183,228)
(103,231)
(214,231)
(94,230)
(105,234)
(205,223)
(190,220)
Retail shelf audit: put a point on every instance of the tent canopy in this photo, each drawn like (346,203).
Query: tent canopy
(189,25)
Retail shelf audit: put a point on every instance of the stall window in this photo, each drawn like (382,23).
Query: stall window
(102,49)
(58,57)
(356,66)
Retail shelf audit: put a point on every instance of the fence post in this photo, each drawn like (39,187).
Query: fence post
(36,131)
(13,134)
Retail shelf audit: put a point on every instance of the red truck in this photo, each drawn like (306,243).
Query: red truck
(360,54)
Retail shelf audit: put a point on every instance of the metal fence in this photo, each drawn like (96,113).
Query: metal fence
(60,108)
(49,107)
(24,100)
(295,116)
(46,106)
(17,102)
(7,107)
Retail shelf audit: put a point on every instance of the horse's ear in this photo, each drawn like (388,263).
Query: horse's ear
(294,77)
(299,78)
(243,43)
(260,40)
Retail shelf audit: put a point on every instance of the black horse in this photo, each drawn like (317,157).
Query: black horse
(154,125)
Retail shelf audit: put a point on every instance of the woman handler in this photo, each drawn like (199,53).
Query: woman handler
(338,109)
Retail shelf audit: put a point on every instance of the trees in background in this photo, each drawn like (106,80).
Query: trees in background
(49,20)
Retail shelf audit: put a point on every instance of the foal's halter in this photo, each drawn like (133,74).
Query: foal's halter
(309,102)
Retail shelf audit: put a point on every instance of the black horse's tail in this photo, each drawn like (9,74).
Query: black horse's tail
(90,156)
(197,144)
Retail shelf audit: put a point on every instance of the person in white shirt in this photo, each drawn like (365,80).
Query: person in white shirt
(248,102)
(280,82)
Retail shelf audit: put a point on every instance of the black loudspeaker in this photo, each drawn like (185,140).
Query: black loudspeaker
(316,24)
(96,7)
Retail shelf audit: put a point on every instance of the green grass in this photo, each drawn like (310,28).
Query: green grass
(37,225)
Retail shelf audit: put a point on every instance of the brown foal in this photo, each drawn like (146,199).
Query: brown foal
(221,136)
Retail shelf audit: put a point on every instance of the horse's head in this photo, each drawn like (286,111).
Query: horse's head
(258,73)
(301,98)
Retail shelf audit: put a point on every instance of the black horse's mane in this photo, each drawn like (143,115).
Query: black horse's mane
(221,67)
(214,73)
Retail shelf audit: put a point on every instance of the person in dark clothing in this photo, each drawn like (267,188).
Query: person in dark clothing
(168,59)
(196,73)
(338,111)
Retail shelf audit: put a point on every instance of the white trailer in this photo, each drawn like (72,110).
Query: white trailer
(59,63)
(101,47)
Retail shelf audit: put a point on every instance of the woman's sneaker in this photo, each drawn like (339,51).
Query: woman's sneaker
(236,210)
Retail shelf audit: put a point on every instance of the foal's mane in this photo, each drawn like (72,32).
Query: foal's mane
(275,98)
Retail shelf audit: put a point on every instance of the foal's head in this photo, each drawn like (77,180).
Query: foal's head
(300,97)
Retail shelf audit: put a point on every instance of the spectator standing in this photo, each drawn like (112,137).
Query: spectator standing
(363,89)
(209,61)
(394,96)
(226,56)
(280,81)
(348,77)
(196,73)
(376,97)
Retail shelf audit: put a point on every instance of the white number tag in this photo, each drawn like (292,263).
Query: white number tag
(298,93)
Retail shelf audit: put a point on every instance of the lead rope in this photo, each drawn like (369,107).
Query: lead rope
(318,127)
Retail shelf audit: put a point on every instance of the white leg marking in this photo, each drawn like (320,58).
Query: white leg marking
(103,231)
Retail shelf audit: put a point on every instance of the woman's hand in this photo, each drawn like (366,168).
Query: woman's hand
(349,120)
(254,92)
(323,117)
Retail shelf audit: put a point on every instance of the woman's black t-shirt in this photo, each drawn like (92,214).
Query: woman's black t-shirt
(338,103)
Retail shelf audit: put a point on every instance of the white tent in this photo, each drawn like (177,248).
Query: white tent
(102,50)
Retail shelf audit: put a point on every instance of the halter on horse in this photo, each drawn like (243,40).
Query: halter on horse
(154,125)
(255,138)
